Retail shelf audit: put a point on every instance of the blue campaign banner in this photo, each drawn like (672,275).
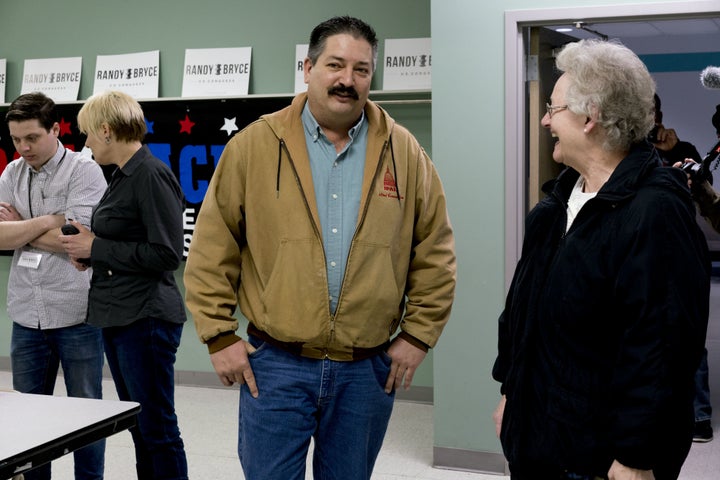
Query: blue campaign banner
(188,135)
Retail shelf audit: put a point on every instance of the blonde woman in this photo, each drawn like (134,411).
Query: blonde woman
(134,245)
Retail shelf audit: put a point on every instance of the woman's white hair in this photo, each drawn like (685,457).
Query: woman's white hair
(608,82)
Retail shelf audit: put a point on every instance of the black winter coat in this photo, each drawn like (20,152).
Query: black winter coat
(604,326)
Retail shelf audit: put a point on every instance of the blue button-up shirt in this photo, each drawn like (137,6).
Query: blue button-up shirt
(337,178)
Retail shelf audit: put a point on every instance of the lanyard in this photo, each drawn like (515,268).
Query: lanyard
(30,177)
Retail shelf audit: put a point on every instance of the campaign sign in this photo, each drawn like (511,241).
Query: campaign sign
(300,54)
(216,72)
(188,135)
(137,74)
(58,78)
(3,79)
(407,64)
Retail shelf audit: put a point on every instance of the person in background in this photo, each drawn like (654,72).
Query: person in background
(672,150)
(326,222)
(47,298)
(605,319)
(134,245)
(669,146)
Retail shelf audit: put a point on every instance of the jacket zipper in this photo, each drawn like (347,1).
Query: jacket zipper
(378,169)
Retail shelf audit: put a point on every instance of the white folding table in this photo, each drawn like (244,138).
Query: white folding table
(36,429)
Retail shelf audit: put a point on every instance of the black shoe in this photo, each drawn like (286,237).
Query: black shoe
(703,431)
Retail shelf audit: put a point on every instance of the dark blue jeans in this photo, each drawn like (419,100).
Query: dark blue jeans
(341,405)
(35,357)
(141,357)
(703,407)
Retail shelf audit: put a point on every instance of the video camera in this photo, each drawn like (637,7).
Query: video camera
(701,172)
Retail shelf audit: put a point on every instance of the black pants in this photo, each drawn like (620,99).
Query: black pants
(546,473)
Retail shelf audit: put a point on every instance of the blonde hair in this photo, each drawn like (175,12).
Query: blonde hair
(121,112)
(607,78)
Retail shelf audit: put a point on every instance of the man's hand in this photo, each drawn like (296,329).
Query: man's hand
(17,232)
(8,213)
(666,139)
(618,471)
(498,415)
(680,164)
(405,360)
(232,366)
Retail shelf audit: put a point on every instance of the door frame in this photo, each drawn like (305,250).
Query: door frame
(516,141)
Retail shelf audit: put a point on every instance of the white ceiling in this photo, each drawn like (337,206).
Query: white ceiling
(660,36)
(702,26)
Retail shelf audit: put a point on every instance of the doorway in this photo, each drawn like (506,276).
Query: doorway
(528,42)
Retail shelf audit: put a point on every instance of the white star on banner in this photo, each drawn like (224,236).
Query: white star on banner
(230,125)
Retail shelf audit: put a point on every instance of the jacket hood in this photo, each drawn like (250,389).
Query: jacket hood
(287,126)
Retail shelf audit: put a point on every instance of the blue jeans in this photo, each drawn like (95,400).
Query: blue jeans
(341,405)
(141,357)
(36,355)
(703,407)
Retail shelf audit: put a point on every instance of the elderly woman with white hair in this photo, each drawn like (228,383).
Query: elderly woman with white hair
(605,320)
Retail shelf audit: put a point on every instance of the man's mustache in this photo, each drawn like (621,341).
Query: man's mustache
(344,91)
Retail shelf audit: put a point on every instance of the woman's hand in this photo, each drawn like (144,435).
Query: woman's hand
(498,415)
(79,245)
(618,471)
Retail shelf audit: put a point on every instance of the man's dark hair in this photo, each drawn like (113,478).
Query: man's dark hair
(658,109)
(335,26)
(31,106)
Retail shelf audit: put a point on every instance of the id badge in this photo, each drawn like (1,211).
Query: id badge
(30,260)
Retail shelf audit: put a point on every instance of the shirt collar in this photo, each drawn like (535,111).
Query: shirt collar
(135,161)
(314,131)
(54,161)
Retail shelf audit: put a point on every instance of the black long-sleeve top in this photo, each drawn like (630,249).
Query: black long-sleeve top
(138,245)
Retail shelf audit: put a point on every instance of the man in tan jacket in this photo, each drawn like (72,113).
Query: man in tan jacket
(326,223)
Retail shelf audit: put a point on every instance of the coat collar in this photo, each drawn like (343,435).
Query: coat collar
(636,168)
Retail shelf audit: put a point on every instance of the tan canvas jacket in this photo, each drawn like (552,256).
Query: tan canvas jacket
(257,243)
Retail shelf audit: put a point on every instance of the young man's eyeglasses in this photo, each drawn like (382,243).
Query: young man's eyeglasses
(551,109)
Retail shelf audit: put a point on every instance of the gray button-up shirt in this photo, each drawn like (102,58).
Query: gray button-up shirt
(54,294)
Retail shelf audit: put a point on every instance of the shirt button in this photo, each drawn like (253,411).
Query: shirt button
(334,230)
(332,264)
(334,196)
(109,273)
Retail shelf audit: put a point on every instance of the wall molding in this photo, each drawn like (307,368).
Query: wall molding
(470,461)
(189,378)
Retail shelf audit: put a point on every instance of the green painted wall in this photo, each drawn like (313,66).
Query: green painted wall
(46,29)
